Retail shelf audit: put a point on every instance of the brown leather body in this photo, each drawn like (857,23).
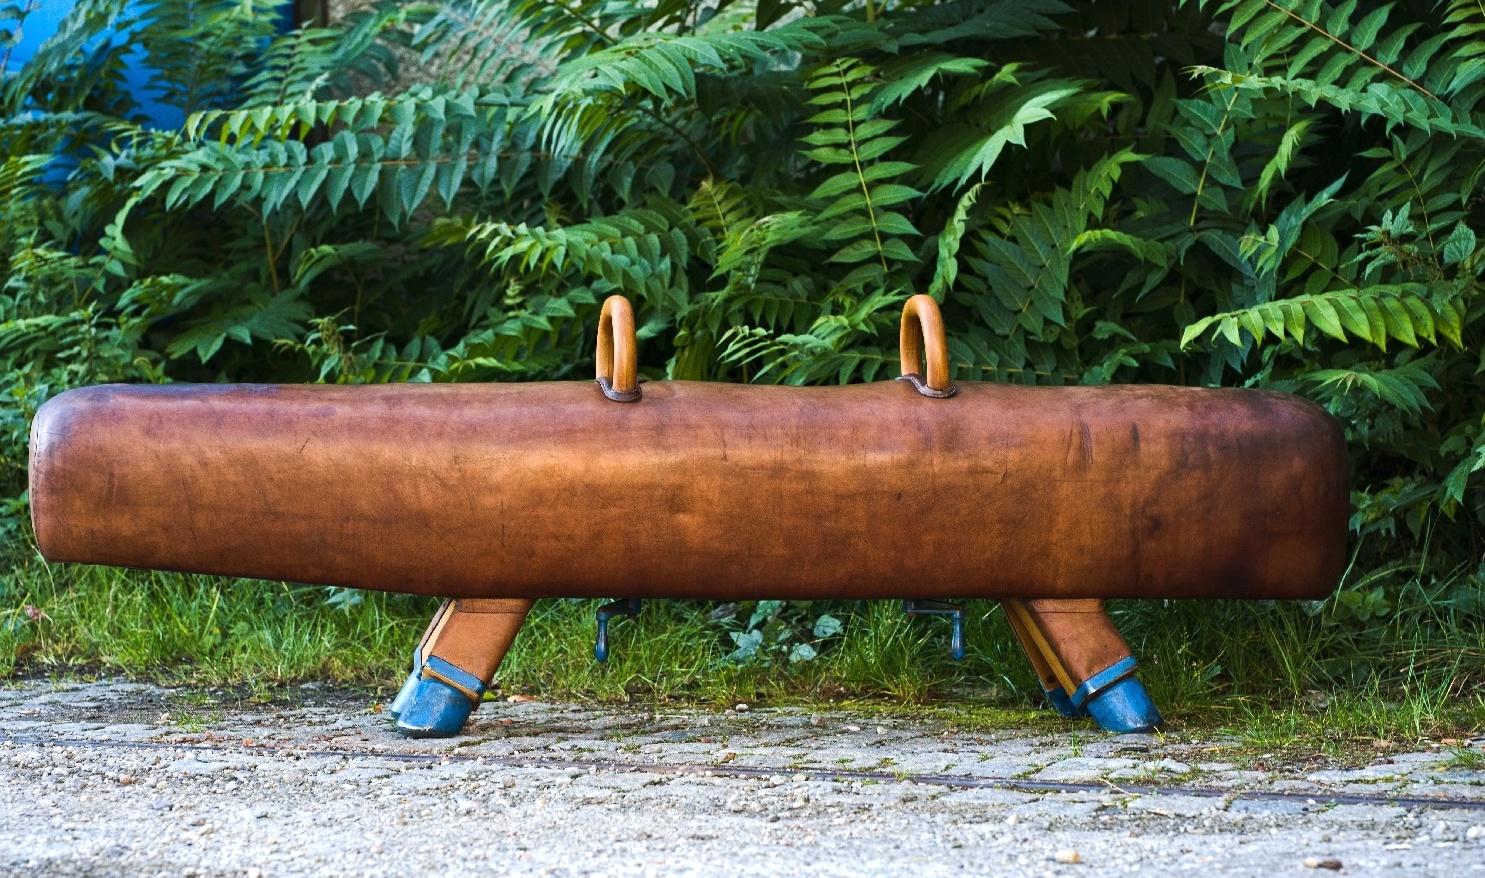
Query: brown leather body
(702,490)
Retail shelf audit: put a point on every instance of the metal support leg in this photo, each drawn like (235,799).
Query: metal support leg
(942,608)
(458,657)
(626,607)
(1075,645)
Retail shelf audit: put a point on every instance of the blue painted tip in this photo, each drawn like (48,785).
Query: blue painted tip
(404,695)
(1124,707)
(1063,704)
(434,710)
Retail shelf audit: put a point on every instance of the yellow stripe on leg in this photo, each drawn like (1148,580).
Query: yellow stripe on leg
(1028,625)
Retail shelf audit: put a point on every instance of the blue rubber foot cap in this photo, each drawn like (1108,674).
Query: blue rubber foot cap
(1124,707)
(1059,700)
(404,695)
(435,710)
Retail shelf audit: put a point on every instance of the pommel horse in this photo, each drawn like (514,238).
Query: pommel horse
(1048,499)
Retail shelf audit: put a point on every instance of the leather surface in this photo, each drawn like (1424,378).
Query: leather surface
(702,490)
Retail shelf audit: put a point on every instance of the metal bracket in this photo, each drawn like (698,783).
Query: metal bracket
(626,607)
(942,608)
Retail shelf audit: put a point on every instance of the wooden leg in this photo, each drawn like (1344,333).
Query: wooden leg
(1051,687)
(1080,656)
(457,657)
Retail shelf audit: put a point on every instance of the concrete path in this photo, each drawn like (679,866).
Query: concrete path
(122,778)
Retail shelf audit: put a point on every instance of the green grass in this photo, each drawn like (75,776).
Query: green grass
(68,618)
(1466,759)
(1269,674)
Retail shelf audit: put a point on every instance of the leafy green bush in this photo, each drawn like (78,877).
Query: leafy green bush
(1275,193)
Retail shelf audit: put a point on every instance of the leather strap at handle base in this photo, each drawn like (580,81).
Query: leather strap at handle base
(921,337)
(619,395)
(615,358)
(922,387)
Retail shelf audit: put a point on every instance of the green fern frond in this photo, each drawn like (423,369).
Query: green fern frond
(862,219)
(639,251)
(1330,42)
(199,49)
(1005,111)
(665,66)
(831,350)
(1397,105)
(480,41)
(904,77)
(946,269)
(1404,386)
(315,62)
(1375,314)
(401,150)
(1027,260)
(935,24)
(261,317)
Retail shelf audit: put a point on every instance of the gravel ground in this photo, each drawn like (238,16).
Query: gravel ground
(119,778)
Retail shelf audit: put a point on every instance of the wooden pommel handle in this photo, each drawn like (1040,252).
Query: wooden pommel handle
(618,374)
(921,337)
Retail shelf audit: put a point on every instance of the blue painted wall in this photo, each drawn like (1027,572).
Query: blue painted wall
(42,23)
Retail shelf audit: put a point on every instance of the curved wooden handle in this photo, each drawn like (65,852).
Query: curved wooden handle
(617,371)
(921,337)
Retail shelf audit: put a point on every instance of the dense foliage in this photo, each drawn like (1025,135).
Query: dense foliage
(1277,193)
